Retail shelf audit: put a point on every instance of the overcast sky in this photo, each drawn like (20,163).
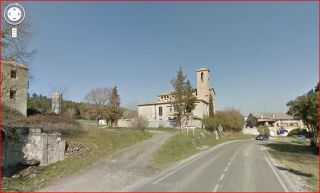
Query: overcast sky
(260,54)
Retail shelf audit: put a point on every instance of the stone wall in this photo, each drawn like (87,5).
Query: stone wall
(250,131)
(32,146)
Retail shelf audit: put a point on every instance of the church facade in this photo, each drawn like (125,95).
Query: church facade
(161,112)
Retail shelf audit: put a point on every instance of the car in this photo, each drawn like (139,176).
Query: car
(262,137)
(301,137)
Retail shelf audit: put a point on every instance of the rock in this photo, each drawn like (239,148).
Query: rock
(32,176)
(75,149)
(25,173)
(16,176)
(31,162)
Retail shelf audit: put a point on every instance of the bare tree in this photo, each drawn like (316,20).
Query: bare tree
(14,50)
(99,97)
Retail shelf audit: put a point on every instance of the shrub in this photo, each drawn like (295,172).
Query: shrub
(12,117)
(210,123)
(48,122)
(230,119)
(298,131)
(140,123)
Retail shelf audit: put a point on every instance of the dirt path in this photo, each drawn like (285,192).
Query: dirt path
(115,173)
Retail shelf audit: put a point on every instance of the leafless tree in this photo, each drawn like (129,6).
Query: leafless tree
(15,49)
(99,97)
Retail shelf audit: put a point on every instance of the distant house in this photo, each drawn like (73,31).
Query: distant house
(14,86)
(275,121)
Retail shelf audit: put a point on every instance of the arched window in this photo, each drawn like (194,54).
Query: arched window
(202,76)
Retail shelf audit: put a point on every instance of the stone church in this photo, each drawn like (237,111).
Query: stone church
(161,112)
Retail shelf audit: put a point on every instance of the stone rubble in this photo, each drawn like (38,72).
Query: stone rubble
(75,149)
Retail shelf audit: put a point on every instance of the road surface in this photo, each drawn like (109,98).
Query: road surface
(235,166)
(114,173)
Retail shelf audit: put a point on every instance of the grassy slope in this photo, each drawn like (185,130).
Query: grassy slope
(181,146)
(297,157)
(102,142)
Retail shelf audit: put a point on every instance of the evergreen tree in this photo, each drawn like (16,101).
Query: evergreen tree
(114,111)
(183,102)
(211,113)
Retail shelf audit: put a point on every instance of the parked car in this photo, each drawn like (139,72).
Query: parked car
(301,137)
(262,137)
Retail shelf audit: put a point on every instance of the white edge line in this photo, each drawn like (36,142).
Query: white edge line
(195,159)
(215,188)
(221,177)
(278,177)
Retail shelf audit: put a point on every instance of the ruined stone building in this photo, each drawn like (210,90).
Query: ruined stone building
(161,112)
(14,86)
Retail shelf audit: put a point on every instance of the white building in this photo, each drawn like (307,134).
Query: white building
(161,112)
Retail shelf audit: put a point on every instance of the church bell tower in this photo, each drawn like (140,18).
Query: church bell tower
(203,84)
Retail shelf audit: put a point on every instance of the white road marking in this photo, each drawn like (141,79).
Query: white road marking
(226,169)
(278,177)
(195,159)
(229,163)
(221,177)
(215,188)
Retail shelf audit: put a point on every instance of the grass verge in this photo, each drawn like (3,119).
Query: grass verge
(297,158)
(183,145)
(101,143)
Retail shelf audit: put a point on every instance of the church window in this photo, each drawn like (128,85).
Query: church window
(202,76)
(160,111)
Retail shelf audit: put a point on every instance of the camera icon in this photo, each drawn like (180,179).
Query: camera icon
(14,14)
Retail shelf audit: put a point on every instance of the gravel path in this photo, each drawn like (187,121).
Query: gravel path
(117,172)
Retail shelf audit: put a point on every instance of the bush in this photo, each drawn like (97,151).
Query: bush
(298,131)
(210,123)
(230,119)
(12,117)
(140,123)
(48,122)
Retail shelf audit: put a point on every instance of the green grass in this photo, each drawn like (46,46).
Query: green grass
(297,158)
(183,145)
(87,122)
(102,142)
(170,130)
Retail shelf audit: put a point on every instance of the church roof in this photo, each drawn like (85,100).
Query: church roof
(203,69)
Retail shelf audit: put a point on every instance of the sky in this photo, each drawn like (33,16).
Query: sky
(260,54)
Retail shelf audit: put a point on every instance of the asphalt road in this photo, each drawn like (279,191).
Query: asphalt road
(236,166)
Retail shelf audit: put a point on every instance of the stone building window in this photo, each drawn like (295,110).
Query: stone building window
(202,76)
(13,74)
(13,94)
(160,111)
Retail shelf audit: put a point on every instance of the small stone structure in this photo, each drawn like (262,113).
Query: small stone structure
(56,102)
(31,146)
